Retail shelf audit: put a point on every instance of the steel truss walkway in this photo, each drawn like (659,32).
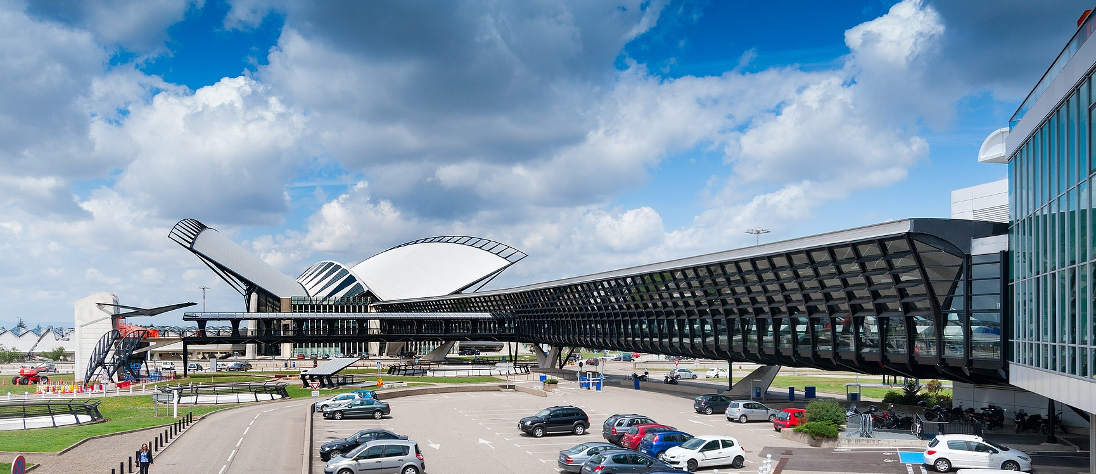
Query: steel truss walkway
(904,297)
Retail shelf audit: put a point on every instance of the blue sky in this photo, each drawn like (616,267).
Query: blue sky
(592,136)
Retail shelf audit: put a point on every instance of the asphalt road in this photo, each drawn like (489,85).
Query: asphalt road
(265,438)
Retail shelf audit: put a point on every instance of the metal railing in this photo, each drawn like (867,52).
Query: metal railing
(217,394)
(433,369)
(1079,38)
(34,414)
(925,429)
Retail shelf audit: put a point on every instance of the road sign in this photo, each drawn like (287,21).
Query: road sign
(314,384)
(19,465)
(315,394)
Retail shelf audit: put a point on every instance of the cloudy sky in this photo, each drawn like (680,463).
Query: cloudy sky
(592,135)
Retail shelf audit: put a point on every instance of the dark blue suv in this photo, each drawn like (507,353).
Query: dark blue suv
(654,444)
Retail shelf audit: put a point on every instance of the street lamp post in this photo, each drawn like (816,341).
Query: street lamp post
(757,231)
(204,288)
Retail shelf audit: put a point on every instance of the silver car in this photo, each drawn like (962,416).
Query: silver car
(386,456)
(572,459)
(746,410)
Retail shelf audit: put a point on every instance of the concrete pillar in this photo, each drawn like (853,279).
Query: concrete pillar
(393,349)
(438,355)
(91,323)
(374,326)
(542,357)
(252,307)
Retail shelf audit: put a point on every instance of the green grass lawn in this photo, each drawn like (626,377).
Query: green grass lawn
(296,391)
(6,466)
(121,414)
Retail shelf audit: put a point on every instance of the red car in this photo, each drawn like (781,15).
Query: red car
(636,433)
(789,418)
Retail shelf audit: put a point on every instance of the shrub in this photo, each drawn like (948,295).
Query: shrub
(893,396)
(551,381)
(827,411)
(818,429)
(942,399)
(933,387)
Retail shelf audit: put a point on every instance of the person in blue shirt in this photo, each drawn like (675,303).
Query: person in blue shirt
(144,458)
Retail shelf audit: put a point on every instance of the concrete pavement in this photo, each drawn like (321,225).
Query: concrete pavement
(267,438)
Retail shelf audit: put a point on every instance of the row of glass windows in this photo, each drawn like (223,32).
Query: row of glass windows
(1053,240)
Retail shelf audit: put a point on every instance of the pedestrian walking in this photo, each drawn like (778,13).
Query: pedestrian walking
(144,458)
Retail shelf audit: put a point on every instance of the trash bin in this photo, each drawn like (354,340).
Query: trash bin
(791,394)
(854,397)
(808,392)
(635,382)
(543,377)
(597,384)
(583,383)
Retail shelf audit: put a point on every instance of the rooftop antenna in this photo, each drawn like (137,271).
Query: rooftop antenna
(757,231)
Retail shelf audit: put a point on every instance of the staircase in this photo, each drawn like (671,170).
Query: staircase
(126,346)
(762,377)
(103,350)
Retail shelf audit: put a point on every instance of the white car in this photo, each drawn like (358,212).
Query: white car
(705,451)
(950,451)
(340,399)
(684,373)
(167,366)
(714,373)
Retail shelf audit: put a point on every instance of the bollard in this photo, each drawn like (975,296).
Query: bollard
(130,464)
(121,467)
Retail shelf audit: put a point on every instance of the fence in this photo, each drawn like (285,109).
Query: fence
(442,371)
(216,394)
(925,429)
(17,415)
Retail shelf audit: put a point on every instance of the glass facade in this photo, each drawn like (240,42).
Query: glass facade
(1051,176)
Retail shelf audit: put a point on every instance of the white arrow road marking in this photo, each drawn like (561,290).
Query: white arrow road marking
(488,443)
(433,444)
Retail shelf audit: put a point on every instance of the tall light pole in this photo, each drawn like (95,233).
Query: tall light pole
(757,231)
(204,288)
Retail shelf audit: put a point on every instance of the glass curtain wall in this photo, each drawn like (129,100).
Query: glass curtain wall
(1051,176)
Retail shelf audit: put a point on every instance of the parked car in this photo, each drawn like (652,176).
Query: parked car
(949,451)
(366,394)
(572,459)
(789,418)
(340,399)
(683,373)
(714,373)
(469,352)
(593,362)
(334,448)
(654,444)
(166,366)
(300,356)
(636,433)
(194,367)
(623,460)
(558,419)
(238,366)
(704,451)
(746,410)
(359,408)
(615,426)
(389,456)
(623,356)
(711,403)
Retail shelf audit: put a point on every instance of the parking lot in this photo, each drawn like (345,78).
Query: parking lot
(477,432)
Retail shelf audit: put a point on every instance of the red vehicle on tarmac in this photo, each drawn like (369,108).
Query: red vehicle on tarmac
(635,434)
(789,418)
(29,376)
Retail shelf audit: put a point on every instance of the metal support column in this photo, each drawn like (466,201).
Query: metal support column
(1052,421)
(185,369)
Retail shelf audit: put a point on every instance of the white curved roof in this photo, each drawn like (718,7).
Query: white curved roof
(227,257)
(432,267)
(329,279)
(993,147)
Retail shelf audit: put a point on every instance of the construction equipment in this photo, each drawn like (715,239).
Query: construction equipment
(29,376)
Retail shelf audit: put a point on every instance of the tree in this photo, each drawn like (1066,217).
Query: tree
(55,355)
(933,387)
(911,387)
(21,324)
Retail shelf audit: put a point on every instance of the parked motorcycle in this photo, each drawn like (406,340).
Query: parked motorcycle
(993,416)
(642,378)
(671,379)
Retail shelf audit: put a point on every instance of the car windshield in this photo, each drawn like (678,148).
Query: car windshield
(694,444)
(595,459)
(543,412)
(1000,447)
(576,449)
(783,415)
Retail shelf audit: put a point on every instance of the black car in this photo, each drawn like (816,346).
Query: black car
(616,425)
(238,367)
(711,403)
(560,419)
(334,448)
(469,352)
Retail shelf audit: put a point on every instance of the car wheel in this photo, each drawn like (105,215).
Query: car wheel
(742,419)
(771,418)
(377,415)
(338,415)
(333,453)
(737,463)
(579,429)
(1010,466)
(708,411)
(538,432)
(410,470)
(692,465)
(942,465)
(776,428)
(346,471)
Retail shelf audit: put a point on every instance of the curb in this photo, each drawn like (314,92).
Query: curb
(306,467)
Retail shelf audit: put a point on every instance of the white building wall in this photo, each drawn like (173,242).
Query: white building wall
(984,202)
(91,323)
